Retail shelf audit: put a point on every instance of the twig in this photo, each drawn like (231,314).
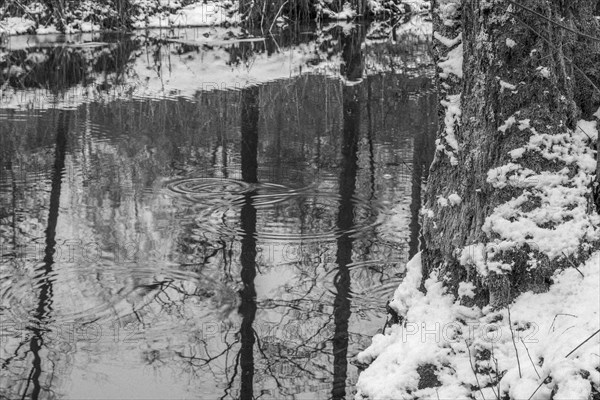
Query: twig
(554,320)
(582,343)
(530,359)
(496,365)
(22,7)
(549,43)
(493,390)
(512,334)
(473,369)
(572,263)
(262,18)
(553,22)
(277,15)
(571,352)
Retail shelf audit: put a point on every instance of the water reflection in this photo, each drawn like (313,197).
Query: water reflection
(203,242)
(351,70)
(249,166)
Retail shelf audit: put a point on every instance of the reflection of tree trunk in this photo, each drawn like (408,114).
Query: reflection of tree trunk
(370,141)
(278,148)
(352,68)
(344,243)
(352,71)
(415,192)
(422,157)
(45,296)
(249,127)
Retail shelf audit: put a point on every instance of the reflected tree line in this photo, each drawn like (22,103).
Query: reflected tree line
(167,293)
(35,380)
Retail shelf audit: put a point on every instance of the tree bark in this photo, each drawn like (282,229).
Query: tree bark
(519,67)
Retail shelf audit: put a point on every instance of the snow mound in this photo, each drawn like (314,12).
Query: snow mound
(479,353)
(16,26)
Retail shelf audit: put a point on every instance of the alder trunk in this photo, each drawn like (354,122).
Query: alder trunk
(508,177)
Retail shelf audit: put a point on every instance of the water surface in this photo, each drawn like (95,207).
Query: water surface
(187,217)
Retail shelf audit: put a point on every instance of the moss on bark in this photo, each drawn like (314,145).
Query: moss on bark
(547,92)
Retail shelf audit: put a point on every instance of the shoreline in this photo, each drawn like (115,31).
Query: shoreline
(196,14)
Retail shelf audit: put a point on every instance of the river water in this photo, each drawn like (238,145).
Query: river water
(189,215)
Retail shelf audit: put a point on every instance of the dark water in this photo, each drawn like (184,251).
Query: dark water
(183,219)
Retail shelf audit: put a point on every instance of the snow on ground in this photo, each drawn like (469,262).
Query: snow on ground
(467,347)
(525,351)
(171,13)
(172,74)
(204,13)
(16,25)
(208,13)
(348,12)
(543,346)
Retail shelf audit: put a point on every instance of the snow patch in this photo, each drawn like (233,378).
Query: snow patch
(442,201)
(208,13)
(453,113)
(506,85)
(516,153)
(507,124)
(587,130)
(453,63)
(543,71)
(552,212)
(474,255)
(466,289)
(524,124)
(16,26)
(347,13)
(454,199)
(446,41)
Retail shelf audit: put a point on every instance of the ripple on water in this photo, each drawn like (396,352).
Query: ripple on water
(283,214)
(33,297)
(195,189)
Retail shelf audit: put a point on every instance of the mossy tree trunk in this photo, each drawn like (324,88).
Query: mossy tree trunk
(517,65)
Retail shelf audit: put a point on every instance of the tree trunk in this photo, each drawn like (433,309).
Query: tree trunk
(491,215)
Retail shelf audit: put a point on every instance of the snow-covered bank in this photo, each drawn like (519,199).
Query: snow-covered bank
(191,60)
(88,16)
(144,14)
(461,351)
(513,312)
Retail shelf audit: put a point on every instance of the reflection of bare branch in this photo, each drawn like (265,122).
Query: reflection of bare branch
(235,370)
(192,359)
(16,353)
(279,386)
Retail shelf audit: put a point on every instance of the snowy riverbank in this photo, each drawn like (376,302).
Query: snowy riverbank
(543,343)
(537,348)
(89,16)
